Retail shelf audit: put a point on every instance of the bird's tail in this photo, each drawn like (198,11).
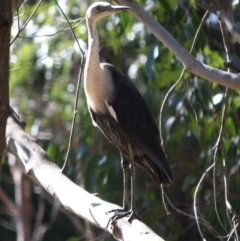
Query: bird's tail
(162,178)
(161,175)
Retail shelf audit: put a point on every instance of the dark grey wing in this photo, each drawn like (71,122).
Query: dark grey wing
(111,130)
(136,120)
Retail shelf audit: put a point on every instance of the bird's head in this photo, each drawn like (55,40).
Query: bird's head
(99,10)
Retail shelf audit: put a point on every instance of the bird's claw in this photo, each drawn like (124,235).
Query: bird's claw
(120,213)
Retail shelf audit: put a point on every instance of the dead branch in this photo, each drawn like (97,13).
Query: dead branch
(40,168)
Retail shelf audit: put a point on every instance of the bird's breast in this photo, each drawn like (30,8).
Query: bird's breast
(98,89)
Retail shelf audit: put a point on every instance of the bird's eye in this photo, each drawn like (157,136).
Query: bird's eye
(99,8)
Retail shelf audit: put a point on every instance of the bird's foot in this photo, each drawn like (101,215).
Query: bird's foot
(120,213)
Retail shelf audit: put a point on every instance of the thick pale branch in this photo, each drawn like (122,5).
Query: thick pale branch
(189,61)
(43,171)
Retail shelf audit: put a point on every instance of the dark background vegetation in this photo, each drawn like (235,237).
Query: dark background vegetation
(45,62)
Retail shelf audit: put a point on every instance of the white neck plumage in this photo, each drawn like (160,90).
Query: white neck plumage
(92,60)
(97,83)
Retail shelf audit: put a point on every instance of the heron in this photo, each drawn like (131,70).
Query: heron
(118,109)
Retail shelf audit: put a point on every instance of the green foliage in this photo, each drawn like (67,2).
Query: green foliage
(45,62)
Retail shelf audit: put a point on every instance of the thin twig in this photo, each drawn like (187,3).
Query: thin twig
(29,64)
(163,199)
(173,87)
(229,209)
(53,34)
(219,142)
(201,220)
(195,199)
(179,79)
(232,231)
(164,101)
(77,91)
(24,26)
(217,145)
(18,20)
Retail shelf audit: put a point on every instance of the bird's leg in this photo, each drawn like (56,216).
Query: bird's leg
(120,213)
(132,169)
(132,210)
(125,167)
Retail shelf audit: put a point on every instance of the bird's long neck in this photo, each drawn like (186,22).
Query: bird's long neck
(92,60)
(97,89)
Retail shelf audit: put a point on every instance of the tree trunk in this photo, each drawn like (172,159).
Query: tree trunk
(5,30)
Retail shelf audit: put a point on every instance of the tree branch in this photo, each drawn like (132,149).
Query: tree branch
(43,171)
(223,9)
(189,61)
(14,210)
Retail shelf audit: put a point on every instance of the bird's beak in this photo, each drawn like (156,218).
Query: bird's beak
(116,8)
